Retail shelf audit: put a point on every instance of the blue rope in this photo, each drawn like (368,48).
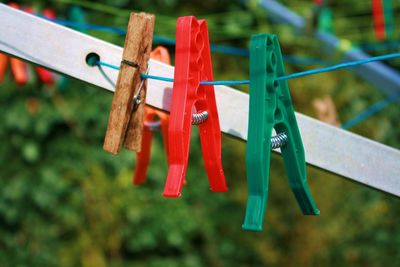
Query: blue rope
(282,78)
(229,50)
(159,78)
(108,65)
(239,82)
(368,112)
(374,47)
(223,49)
(338,66)
(166,79)
(86,26)
(156,38)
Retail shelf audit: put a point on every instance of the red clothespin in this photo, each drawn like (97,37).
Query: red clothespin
(143,157)
(193,103)
(18,67)
(46,76)
(379,19)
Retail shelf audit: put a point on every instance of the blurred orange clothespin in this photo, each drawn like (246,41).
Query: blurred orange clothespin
(18,67)
(150,124)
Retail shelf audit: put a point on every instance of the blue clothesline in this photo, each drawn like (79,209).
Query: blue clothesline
(375,108)
(344,65)
(368,112)
(223,49)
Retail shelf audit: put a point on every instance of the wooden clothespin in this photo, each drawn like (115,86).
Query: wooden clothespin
(125,123)
(271,108)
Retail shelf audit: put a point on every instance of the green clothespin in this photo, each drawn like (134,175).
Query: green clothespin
(325,19)
(388,16)
(77,14)
(271,108)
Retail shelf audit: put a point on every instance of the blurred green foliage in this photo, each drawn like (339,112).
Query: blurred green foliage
(65,202)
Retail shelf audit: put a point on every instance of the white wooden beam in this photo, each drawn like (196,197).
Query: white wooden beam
(64,50)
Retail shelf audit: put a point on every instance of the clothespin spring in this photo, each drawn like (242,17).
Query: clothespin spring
(136,99)
(152,126)
(199,118)
(278,140)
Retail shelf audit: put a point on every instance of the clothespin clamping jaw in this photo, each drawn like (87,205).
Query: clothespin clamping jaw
(150,125)
(271,108)
(193,103)
(125,124)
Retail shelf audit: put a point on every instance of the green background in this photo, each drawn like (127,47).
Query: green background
(66,202)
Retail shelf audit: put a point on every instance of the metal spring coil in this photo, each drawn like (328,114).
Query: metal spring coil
(199,118)
(152,126)
(278,140)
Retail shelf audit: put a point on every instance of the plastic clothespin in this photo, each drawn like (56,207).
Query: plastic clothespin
(17,66)
(45,76)
(193,103)
(143,157)
(125,124)
(77,15)
(271,108)
(325,23)
(378,19)
(389,18)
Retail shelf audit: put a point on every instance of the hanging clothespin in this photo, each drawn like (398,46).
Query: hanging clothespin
(125,123)
(17,66)
(389,20)
(77,15)
(271,108)
(193,103)
(378,19)
(150,125)
(18,69)
(325,19)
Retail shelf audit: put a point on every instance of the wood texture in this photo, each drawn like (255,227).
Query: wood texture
(136,49)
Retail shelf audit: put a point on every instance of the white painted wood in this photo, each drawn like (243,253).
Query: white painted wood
(64,50)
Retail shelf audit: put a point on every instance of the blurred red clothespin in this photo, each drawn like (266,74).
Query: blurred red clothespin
(46,76)
(193,103)
(17,66)
(378,19)
(150,124)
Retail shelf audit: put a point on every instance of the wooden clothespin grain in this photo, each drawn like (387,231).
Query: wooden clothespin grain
(125,123)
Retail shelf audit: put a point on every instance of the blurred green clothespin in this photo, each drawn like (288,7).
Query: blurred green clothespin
(388,17)
(77,14)
(325,20)
(271,108)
